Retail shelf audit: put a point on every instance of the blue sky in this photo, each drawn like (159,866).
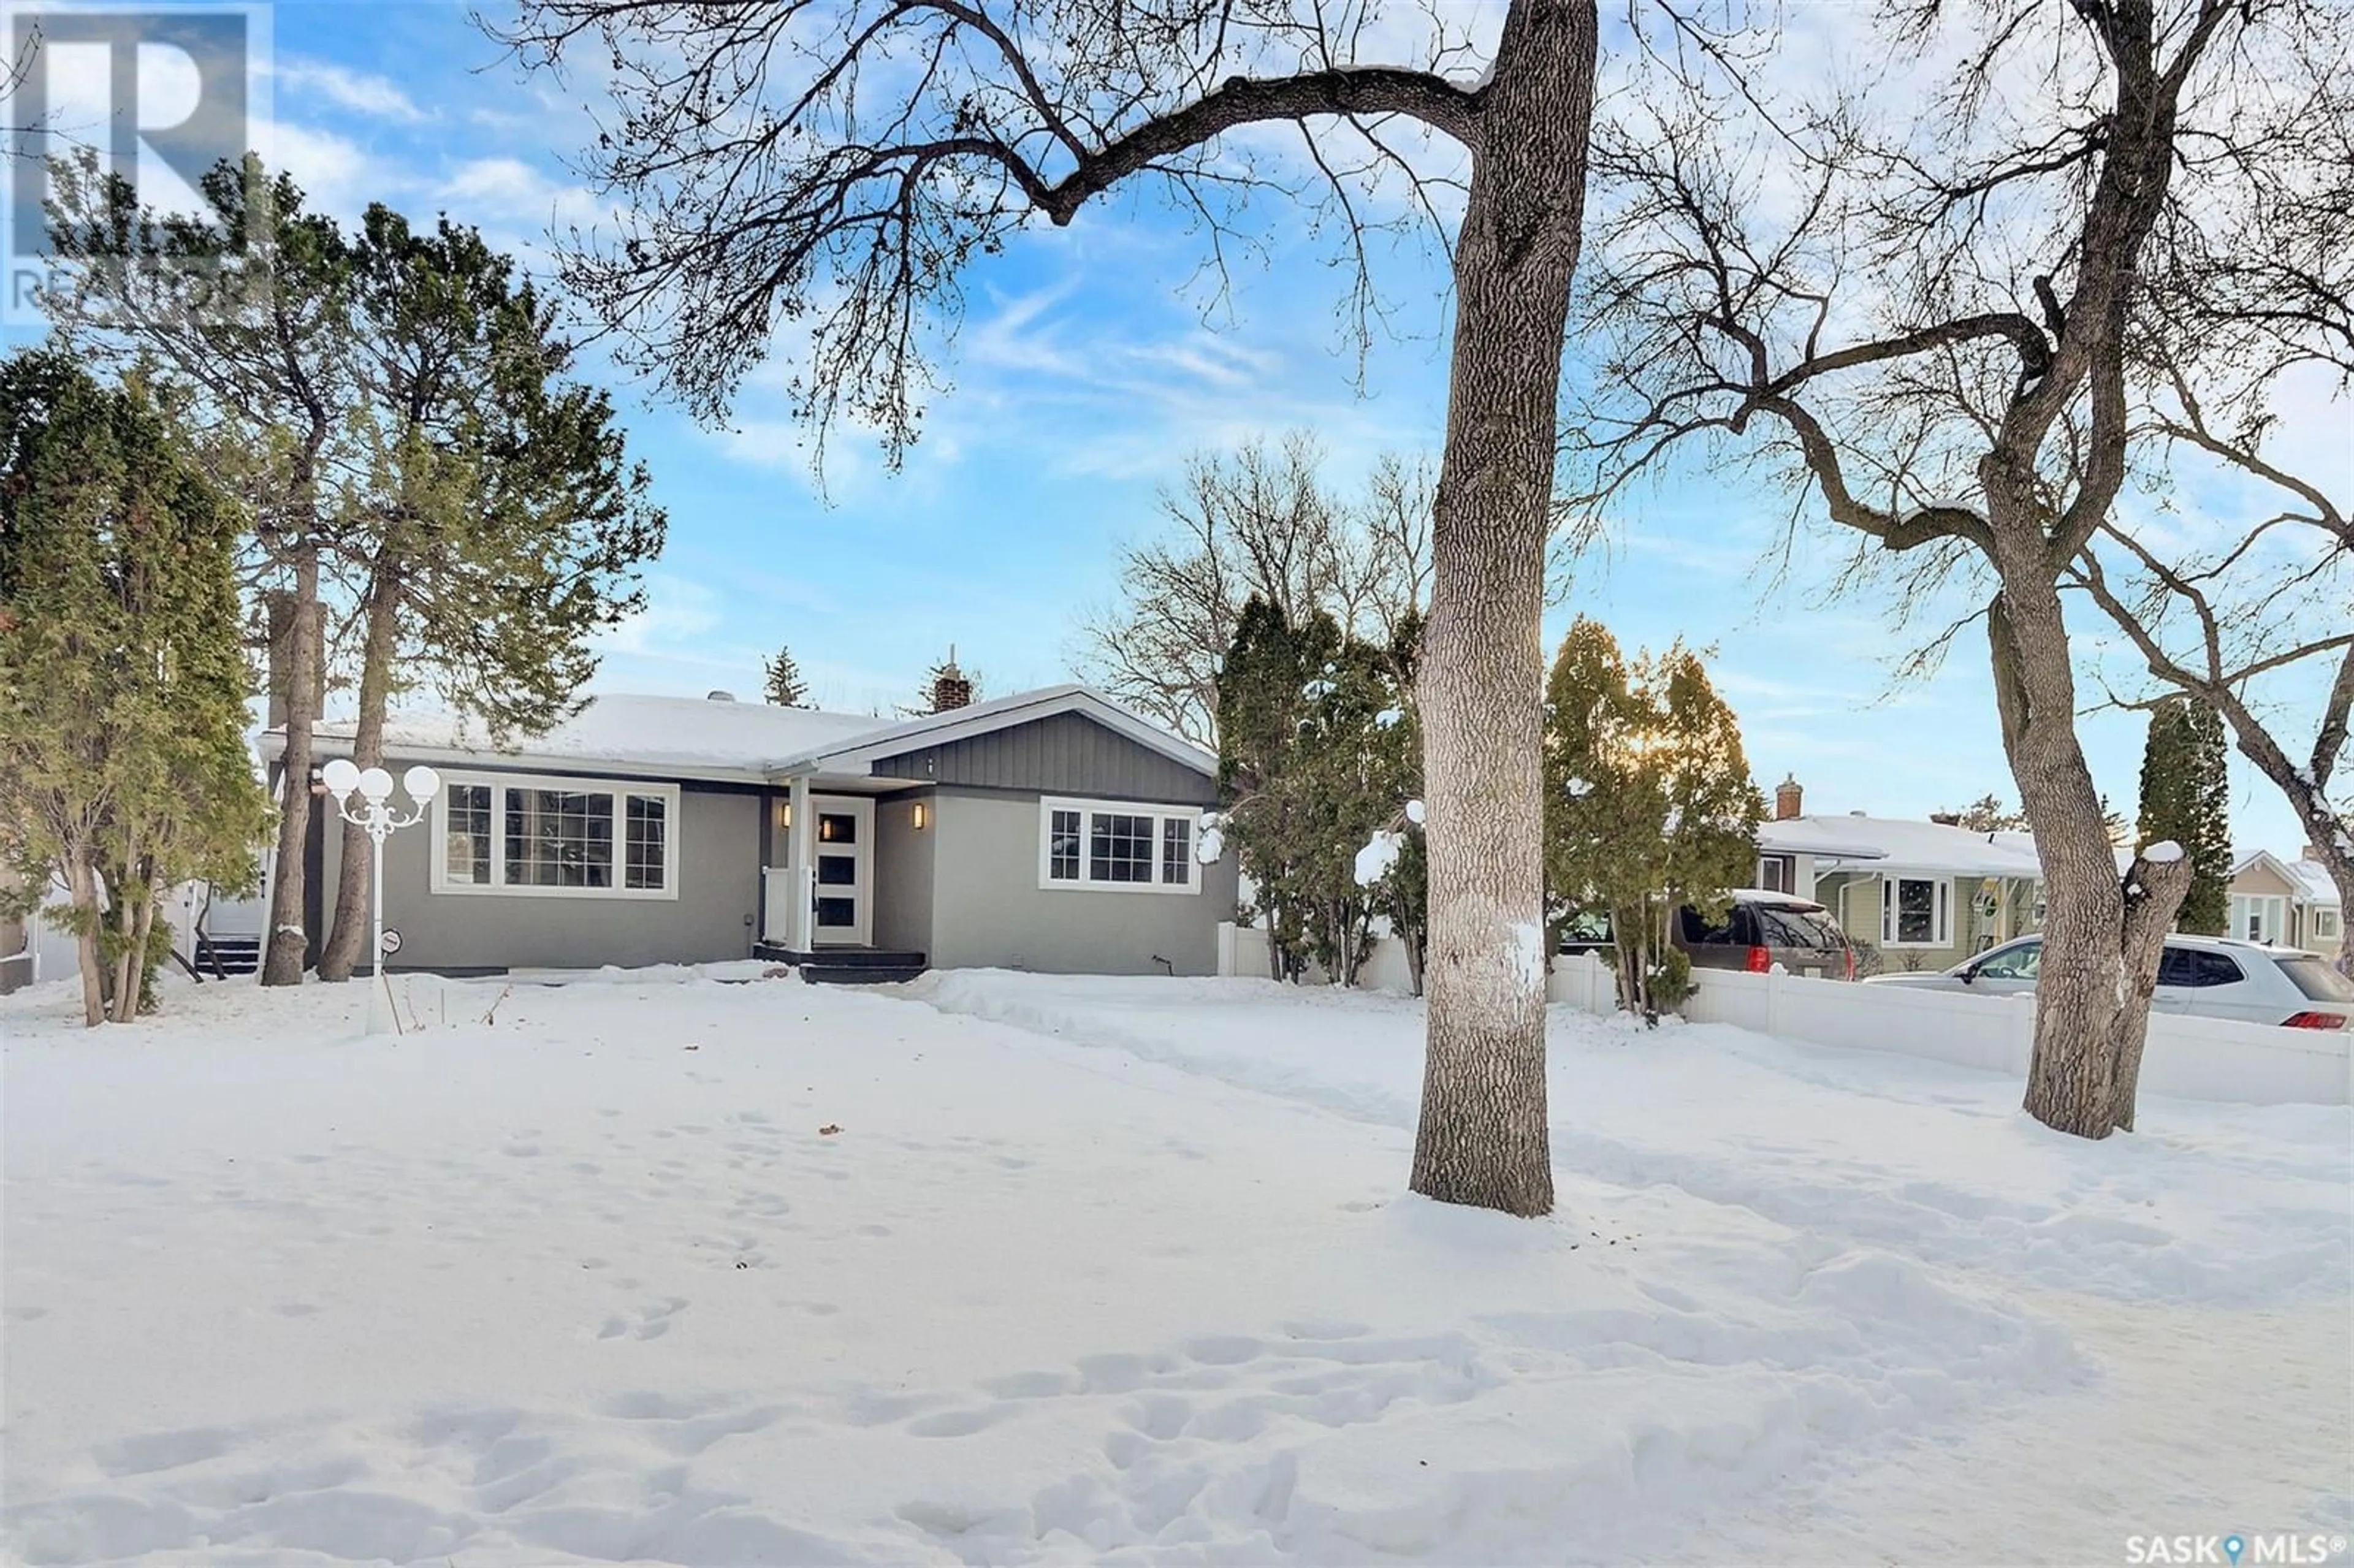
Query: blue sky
(1084,373)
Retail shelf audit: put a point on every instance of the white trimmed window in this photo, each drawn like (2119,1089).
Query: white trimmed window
(554,837)
(2325,925)
(1112,846)
(2259,917)
(1916,912)
(1777,873)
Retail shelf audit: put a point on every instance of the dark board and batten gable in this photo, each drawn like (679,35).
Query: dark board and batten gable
(1064,753)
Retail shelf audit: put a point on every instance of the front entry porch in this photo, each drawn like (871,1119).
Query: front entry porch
(818,894)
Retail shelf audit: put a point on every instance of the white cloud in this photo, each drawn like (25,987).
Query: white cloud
(679,611)
(362,93)
(337,176)
(511,187)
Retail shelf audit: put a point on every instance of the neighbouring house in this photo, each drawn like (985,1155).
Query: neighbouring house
(1926,894)
(2285,903)
(1052,830)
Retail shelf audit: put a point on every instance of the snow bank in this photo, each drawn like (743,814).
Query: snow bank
(668,1271)
(1897,1150)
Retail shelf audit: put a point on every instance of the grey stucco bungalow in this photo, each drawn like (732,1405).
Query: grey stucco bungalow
(1050,831)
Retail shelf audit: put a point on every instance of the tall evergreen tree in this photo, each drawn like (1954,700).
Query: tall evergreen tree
(781,681)
(1261,705)
(1401,895)
(250,321)
(1651,806)
(1319,752)
(395,410)
(497,525)
(123,767)
(2186,797)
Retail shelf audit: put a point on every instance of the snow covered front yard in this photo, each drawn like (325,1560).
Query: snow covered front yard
(1121,1270)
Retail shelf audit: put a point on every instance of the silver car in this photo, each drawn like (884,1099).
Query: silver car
(2209,977)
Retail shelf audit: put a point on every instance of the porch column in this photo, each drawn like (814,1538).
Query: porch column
(801,861)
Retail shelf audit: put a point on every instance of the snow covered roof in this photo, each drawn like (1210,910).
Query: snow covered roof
(698,737)
(685,736)
(2310,878)
(1896,844)
(1813,835)
(2313,878)
(855,753)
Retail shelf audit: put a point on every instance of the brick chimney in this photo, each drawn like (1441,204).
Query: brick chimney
(1789,800)
(949,688)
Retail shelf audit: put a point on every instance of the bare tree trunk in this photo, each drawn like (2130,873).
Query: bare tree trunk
(2153,892)
(283,952)
(83,884)
(346,945)
(125,914)
(132,976)
(2097,954)
(1482,1137)
(2341,871)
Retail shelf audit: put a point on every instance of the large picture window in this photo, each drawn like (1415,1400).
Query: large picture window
(1110,846)
(562,837)
(1916,911)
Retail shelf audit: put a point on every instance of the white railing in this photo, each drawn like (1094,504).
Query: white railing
(2187,1058)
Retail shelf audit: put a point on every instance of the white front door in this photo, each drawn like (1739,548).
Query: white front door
(842,847)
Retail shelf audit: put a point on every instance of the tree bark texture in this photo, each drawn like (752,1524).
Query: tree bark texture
(1482,1136)
(84,901)
(2153,892)
(137,920)
(283,953)
(2101,949)
(347,945)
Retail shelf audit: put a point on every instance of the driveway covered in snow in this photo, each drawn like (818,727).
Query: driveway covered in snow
(1119,1270)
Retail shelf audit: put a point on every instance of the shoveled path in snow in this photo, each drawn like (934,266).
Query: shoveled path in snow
(588,1282)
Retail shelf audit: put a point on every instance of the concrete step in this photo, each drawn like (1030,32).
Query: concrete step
(843,957)
(859,974)
(227,955)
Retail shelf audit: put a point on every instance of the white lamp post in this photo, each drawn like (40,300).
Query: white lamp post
(377,818)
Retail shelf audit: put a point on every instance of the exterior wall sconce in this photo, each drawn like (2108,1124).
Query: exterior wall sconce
(923,816)
(785,815)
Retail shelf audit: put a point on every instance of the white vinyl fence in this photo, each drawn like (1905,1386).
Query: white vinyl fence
(1242,951)
(2187,1058)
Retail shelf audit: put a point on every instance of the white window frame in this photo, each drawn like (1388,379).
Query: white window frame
(439,880)
(2271,910)
(1161,814)
(1941,908)
(2322,912)
(1785,869)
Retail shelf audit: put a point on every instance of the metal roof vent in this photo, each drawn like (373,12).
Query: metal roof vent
(719,696)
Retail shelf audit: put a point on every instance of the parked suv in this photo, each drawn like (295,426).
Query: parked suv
(2206,977)
(1764,931)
